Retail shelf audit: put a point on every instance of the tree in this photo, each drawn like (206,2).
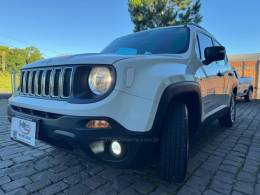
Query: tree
(147,14)
(16,58)
(3,52)
(32,54)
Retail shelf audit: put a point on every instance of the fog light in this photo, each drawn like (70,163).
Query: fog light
(98,124)
(116,148)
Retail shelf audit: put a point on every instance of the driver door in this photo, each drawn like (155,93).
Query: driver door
(212,80)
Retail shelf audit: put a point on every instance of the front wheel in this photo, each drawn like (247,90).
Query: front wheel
(174,144)
(230,117)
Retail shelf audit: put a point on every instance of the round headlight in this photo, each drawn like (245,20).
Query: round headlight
(100,80)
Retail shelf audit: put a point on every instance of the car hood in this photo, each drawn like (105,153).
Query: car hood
(94,59)
(79,59)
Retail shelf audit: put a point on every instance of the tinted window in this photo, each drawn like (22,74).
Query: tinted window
(159,41)
(204,41)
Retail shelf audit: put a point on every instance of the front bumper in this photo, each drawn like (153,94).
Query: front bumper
(70,132)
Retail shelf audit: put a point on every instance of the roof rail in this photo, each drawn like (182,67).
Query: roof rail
(193,24)
(198,26)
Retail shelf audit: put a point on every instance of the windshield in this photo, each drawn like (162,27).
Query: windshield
(173,40)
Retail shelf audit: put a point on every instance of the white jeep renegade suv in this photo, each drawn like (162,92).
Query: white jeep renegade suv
(145,94)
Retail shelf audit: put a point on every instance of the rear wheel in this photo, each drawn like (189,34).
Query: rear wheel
(249,95)
(174,145)
(230,117)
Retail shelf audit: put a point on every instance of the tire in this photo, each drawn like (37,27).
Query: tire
(230,117)
(174,144)
(248,96)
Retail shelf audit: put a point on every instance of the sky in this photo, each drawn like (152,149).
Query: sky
(61,27)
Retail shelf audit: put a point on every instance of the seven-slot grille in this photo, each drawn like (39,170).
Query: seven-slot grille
(49,82)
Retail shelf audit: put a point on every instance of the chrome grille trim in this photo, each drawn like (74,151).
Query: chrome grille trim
(43,83)
(39,87)
(44,80)
(30,82)
(24,82)
(61,82)
(53,82)
(36,80)
(71,81)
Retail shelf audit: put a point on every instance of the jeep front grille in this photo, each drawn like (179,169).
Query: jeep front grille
(49,82)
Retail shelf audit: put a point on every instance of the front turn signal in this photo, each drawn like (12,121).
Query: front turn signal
(98,124)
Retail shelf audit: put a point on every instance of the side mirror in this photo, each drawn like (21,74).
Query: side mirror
(215,53)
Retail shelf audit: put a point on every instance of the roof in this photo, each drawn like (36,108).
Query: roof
(244,57)
(196,25)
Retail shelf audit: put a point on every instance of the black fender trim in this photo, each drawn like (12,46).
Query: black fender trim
(174,91)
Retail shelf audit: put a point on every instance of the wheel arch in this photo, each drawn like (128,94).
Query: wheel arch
(189,93)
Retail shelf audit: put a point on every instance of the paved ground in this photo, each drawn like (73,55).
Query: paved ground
(4,95)
(223,161)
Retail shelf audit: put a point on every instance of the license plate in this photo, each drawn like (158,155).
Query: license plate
(23,130)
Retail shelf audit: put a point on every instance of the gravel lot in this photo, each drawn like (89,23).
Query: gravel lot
(223,161)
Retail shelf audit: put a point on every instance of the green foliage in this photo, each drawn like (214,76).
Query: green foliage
(16,58)
(147,14)
(5,82)
(32,54)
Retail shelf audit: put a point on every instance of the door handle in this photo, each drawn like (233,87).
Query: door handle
(219,74)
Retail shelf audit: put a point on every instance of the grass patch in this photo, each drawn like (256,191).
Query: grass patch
(5,82)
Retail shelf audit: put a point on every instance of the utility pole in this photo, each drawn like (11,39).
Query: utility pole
(3,61)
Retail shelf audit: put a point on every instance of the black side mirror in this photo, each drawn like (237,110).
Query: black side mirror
(215,53)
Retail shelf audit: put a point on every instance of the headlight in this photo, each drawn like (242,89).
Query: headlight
(100,80)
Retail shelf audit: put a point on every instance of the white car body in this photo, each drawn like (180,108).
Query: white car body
(137,103)
(131,93)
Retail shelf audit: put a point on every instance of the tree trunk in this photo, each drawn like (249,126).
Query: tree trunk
(3,61)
